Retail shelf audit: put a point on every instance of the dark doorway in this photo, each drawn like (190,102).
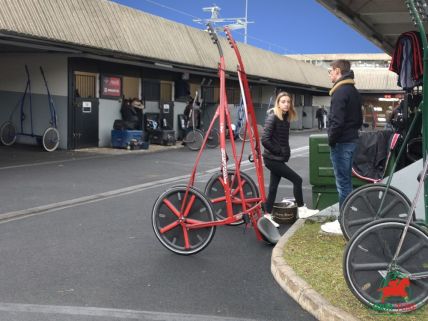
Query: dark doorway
(85,133)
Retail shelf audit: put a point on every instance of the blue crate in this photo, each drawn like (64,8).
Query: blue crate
(122,138)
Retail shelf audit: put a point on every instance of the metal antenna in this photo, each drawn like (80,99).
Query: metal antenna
(231,23)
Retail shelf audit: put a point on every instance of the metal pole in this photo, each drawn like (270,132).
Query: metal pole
(246,21)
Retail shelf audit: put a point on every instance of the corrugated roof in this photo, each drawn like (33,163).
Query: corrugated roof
(376,79)
(110,26)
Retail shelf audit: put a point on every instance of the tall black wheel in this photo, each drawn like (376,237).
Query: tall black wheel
(50,139)
(215,192)
(361,206)
(368,256)
(194,139)
(171,224)
(213,138)
(7,133)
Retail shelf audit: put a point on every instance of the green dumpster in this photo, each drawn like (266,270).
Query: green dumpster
(321,174)
(320,167)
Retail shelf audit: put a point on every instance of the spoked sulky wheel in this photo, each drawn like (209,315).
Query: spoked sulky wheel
(361,206)
(367,270)
(50,139)
(243,135)
(215,192)
(194,139)
(172,225)
(213,138)
(7,133)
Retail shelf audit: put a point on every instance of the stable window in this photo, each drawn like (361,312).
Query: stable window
(131,87)
(210,94)
(195,88)
(233,95)
(256,94)
(85,84)
(166,90)
(151,90)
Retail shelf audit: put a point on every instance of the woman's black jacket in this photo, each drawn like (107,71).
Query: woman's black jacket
(275,138)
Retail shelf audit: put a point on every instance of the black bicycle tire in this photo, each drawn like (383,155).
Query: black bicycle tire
(349,223)
(214,138)
(159,220)
(362,283)
(218,208)
(7,133)
(194,139)
(50,139)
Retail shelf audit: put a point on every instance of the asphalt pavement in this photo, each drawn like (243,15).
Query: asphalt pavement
(82,246)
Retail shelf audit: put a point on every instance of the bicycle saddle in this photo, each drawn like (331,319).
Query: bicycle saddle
(268,231)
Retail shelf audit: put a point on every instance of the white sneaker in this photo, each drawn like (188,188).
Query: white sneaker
(304,212)
(332,228)
(269,217)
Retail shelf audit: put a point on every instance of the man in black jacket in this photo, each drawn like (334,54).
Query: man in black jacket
(345,119)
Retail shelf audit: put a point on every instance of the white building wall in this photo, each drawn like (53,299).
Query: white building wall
(321,101)
(109,110)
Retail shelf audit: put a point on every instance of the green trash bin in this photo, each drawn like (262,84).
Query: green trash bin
(321,173)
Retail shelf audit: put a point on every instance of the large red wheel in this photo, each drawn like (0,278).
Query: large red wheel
(172,226)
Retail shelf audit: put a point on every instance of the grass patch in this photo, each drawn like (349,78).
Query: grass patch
(317,258)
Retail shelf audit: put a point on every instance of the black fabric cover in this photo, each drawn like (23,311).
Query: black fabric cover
(371,154)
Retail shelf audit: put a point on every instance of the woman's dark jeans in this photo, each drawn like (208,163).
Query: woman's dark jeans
(277,170)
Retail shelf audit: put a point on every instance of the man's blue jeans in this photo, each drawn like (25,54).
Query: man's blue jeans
(341,156)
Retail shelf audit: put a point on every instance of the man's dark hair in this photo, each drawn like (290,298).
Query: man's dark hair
(343,65)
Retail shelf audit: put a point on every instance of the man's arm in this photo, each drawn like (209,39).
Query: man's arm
(337,118)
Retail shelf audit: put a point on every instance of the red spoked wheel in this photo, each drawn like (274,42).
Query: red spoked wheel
(173,226)
(215,192)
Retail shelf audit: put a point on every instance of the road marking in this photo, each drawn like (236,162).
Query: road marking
(54,162)
(43,209)
(110,313)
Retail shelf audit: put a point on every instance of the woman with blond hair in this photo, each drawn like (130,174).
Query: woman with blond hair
(275,140)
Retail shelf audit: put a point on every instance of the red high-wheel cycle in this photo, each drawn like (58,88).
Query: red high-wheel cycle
(184,219)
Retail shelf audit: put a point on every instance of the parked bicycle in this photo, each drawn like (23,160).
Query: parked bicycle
(195,136)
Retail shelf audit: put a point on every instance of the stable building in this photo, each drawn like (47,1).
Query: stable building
(94,52)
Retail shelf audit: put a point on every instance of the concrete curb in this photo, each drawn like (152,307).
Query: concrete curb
(298,289)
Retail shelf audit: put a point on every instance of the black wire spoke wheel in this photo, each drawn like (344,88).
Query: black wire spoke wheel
(194,139)
(361,206)
(7,133)
(213,138)
(171,226)
(215,192)
(50,139)
(367,258)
